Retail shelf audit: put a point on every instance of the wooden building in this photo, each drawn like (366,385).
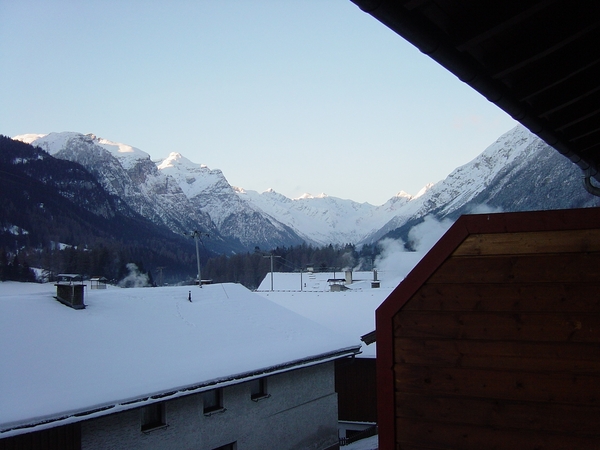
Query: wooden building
(493,340)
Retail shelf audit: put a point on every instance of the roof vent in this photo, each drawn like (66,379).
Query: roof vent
(375,283)
(69,290)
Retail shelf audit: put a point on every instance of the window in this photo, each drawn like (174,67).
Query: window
(258,389)
(213,400)
(153,416)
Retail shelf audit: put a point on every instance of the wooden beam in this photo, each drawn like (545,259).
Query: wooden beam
(500,414)
(498,384)
(566,267)
(535,327)
(523,297)
(505,24)
(418,434)
(567,241)
(581,358)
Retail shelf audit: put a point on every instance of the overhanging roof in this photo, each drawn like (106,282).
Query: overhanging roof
(538,60)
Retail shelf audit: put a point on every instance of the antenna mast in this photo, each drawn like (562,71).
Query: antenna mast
(197,235)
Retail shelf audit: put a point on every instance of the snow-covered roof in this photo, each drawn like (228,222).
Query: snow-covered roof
(312,281)
(60,365)
(351,312)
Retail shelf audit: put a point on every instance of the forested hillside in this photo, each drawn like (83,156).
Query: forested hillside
(250,268)
(54,215)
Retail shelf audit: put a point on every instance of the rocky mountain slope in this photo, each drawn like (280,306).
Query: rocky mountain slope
(208,191)
(48,204)
(327,220)
(173,192)
(517,172)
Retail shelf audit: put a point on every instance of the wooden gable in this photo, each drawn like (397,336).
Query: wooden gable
(492,340)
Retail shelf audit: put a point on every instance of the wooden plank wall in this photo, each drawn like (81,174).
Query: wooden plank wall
(356,386)
(499,349)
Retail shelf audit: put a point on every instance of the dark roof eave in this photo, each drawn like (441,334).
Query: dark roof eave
(430,42)
(369,338)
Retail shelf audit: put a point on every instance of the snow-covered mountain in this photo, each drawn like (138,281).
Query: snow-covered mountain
(174,192)
(184,196)
(208,191)
(327,220)
(129,173)
(466,182)
(517,172)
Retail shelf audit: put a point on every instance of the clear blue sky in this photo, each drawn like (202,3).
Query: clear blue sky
(295,95)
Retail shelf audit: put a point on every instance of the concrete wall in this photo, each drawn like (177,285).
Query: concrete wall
(300,413)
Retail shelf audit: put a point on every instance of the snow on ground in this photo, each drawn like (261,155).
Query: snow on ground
(132,343)
(350,312)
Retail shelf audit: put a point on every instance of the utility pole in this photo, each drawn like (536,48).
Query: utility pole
(271,256)
(197,235)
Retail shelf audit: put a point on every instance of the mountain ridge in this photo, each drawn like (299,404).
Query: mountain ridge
(184,195)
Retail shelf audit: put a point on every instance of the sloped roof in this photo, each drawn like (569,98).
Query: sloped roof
(351,312)
(538,60)
(141,345)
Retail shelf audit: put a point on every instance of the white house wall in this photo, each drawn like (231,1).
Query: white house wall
(300,413)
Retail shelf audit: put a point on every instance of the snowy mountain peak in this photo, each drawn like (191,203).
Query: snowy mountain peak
(128,155)
(28,138)
(177,162)
(307,195)
(52,142)
(274,195)
(192,178)
(403,194)
(424,189)
(175,159)
(57,142)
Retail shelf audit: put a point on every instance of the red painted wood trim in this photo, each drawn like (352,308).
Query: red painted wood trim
(531,221)
(386,405)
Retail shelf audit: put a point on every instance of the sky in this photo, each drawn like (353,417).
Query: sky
(299,96)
